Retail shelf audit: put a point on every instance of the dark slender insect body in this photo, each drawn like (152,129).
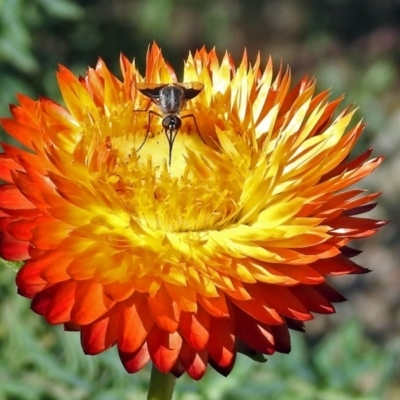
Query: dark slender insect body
(171,99)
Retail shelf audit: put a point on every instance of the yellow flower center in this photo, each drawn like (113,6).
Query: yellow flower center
(197,190)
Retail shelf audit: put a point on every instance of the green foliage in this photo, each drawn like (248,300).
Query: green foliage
(14,265)
(20,23)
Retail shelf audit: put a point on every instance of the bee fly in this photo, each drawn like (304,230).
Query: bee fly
(170,98)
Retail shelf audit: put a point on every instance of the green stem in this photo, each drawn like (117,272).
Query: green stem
(161,386)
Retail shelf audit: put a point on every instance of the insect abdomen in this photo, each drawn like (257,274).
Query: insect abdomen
(171,99)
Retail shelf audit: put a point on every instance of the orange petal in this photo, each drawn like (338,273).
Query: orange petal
(134,362)
(21,132)
(6,166)
(339,265)
(100,335)
(42,300)
(283,301)
(12,199)
(215,306)
(90,303)
(56,271)
(221,345)
(13,249)
(312,298)
(281,337)
(195,328)
(257,308)
(61,302)
(135,323)
(118,291)
(164,311)
(164,348)
(251,333)
(185,297)
(193,362)
(22,228)
(29,280)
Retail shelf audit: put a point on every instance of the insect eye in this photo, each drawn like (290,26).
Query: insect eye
(177,123)
(166,122)
(171,123)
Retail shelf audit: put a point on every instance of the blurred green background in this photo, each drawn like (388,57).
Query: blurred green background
(352,47)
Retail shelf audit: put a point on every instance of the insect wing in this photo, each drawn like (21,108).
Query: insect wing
(151,90)
(190,89)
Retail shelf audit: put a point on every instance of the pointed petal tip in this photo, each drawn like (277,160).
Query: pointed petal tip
(223,370)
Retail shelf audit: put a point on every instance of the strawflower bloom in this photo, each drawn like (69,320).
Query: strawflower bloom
(183,245)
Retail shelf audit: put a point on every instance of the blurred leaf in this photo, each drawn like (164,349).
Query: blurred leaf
(15,40)
(14,265)
(155,16)
(379,76)
(17,56)
(62,8)
(346,360)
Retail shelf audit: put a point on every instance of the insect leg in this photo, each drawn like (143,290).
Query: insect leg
(195,123)
(148,124)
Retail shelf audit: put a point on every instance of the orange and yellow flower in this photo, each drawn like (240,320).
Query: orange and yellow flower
(185,262)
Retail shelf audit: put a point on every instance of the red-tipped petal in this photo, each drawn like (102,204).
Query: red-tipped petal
(194,362)
(221,345)
(195,328)
(13,249)
(100,335)
(134,362)
(135,323)
(7,165)
(59,308)
(250,332)
(90,303)
(164,311)
(164,348)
